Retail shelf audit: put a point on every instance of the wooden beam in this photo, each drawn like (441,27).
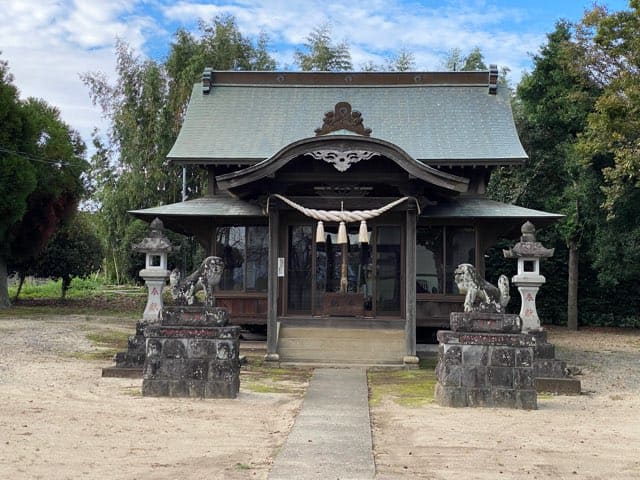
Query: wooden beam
(272,287)
(410,287)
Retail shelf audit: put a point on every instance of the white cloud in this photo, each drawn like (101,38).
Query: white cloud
(48,43)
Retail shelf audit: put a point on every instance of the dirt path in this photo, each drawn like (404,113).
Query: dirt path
(592,436)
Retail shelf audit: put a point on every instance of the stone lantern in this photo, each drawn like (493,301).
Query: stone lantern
(155,246)
(528,252)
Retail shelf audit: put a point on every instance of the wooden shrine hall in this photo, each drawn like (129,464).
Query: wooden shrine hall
(341,203)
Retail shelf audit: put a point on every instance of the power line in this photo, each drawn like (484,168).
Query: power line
(33,158)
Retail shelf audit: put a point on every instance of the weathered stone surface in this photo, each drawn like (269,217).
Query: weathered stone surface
(503,357)
(195,316)
(448,337)
(193,360)
(130,362)
(527,399)
(481,369)
(485,322)
(550,368)
(558,386)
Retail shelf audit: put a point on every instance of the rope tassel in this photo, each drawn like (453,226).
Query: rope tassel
(342,234)
(320,232)
(363,234)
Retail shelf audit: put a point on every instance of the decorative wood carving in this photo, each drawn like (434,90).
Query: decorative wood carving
(343,118)
(342,160)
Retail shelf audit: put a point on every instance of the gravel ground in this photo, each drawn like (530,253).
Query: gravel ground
(60,420)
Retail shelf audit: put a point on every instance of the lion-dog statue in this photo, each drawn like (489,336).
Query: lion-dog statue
(480,295)
(205,278)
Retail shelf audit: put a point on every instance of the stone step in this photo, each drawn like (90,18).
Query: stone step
(340,345)
(550,368)
(545,351)
(558,386)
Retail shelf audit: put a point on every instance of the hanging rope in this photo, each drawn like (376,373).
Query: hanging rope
(342,215)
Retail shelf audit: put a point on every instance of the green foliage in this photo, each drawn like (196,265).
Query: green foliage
(402,61)
(321,55)
(455,61)
(146,106)
(74,251)
(41,175)
(611,138)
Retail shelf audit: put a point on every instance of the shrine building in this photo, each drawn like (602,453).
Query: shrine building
(342,202)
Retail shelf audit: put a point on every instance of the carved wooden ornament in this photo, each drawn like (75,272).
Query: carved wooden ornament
(343,118)
(342,160)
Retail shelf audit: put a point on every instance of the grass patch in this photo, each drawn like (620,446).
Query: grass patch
(242,466)
(409,388)
(262,378)
(97,305)
(132,391)
(106,342)
(85,296)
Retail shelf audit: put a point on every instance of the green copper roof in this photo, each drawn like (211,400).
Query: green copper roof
(213,206)
(486,209)
(435,123)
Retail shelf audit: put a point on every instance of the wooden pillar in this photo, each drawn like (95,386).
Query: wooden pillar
(410,358)
(272,288)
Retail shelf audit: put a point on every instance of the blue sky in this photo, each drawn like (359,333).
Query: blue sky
(48,43)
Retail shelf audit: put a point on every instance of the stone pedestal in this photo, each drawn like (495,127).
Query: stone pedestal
(528,286)
(130,362)
(486,367)
(155,280)
(551,374)
(189,355)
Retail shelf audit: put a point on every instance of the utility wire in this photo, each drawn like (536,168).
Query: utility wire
(28,156)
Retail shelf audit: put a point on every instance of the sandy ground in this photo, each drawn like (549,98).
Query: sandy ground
(592,436)
(60,420)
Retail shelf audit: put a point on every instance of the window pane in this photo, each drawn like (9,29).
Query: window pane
(388,262)
(429,260)
(257,258)
(231,247)
(299,282)
(460,248)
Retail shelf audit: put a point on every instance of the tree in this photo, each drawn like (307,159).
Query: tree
(402,61)
(551,108)
(74,251)
(41,175)
(146,106)
(456,62)
(610,142)
(322,55)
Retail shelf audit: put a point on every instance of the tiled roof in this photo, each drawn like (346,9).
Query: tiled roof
(434,123)
(486,209)
(212,206)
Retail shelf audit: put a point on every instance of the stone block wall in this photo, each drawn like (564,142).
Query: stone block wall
(192,361)
(486,370)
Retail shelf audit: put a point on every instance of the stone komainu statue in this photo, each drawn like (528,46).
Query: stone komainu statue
(480,295)
(205,278)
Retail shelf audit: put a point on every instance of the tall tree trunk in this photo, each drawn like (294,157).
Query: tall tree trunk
(21,277)
(572,297)
(4,284)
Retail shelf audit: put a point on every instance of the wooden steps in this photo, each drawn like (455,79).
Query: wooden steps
(352,342)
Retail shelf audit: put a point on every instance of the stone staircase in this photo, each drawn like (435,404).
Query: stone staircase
(551,373)
(341,341)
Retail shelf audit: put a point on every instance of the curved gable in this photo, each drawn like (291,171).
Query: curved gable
(342,151)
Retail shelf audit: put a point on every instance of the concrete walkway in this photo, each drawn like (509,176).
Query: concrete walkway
(331,437)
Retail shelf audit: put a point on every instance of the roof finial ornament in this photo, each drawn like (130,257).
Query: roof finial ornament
(343,118)
(493,79)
